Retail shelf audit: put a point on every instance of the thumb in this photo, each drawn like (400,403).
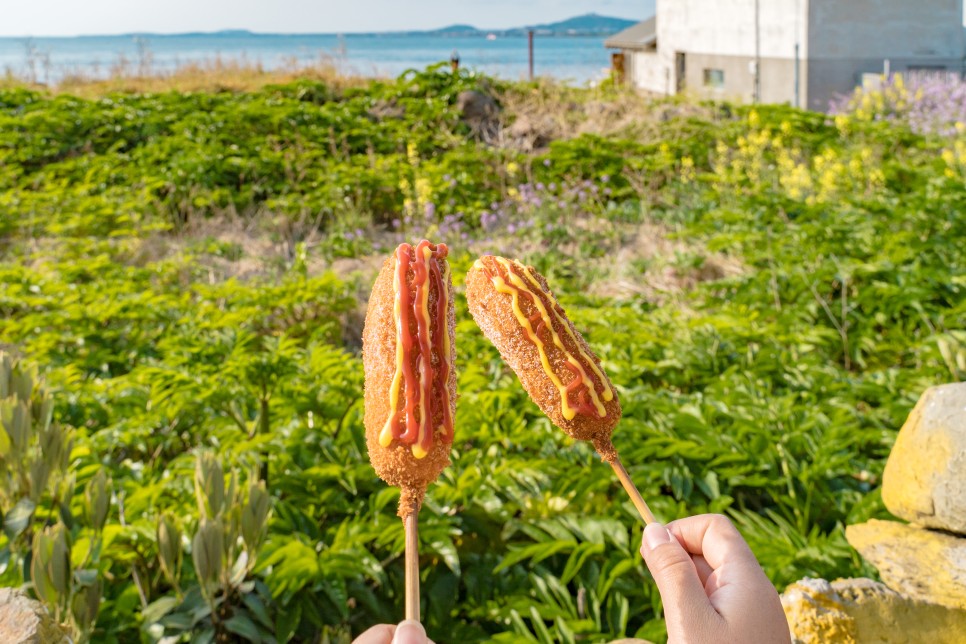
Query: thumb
(410,632)
(683,595)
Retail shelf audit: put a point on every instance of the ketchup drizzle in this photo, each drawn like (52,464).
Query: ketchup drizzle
(428,348)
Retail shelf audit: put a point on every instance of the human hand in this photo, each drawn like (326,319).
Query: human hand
(712,586)
(408,632)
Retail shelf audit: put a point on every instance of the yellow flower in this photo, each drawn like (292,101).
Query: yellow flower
(687,169)
(842,123)
(424,192)
(512,168)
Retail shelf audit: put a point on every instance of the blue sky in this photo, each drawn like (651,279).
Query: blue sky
(75,17)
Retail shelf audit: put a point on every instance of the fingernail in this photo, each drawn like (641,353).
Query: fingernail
(409,632)
(656,535)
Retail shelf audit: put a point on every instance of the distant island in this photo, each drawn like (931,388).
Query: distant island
(591,24)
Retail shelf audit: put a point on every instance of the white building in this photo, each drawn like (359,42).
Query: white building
(802,52)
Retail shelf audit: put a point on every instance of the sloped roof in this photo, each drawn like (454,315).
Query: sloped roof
(640,36)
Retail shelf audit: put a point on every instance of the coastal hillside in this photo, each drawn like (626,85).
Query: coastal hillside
(185,265)
(591,24)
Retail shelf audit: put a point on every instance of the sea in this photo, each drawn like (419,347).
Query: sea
(579,60)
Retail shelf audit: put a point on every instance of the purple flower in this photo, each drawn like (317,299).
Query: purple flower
(430,211)
(926,102)
(605,178)
(546,162)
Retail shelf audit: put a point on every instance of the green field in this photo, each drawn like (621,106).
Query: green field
(769,289)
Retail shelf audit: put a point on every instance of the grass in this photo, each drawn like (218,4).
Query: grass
(769,289)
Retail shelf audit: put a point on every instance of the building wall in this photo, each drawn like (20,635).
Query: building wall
(838,41)
(861,29)
(830,78)
(777,78)
(847,39)
(727,27)
(646,72)
(720,34)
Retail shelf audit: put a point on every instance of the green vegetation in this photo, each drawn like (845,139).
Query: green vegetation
(770,290)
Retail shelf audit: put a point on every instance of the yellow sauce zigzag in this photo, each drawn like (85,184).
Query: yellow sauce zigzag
(518,286)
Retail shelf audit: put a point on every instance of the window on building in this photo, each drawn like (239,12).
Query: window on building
(714,78)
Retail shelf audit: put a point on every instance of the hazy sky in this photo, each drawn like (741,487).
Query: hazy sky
(73,17)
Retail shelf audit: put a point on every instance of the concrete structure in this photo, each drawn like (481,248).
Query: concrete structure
(802,52)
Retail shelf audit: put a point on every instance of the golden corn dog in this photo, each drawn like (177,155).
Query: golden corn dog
(410,388)
(518,313)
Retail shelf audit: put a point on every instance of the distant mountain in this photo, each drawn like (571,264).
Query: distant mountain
(590,24)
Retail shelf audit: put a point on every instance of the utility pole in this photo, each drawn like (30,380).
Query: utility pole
(530,45)
(798,37)
(757,51)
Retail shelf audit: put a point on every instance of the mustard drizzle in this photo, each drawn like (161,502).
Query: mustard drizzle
(425,366)
(518,282)
(447,349)
(385,436)
(608,393)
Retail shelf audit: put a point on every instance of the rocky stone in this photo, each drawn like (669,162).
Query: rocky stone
(480,111)
(25,621)
(860,611)
(923,564)
(529,133)
(925,477)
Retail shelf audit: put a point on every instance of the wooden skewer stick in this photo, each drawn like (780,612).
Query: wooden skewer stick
(628,484)
(412,566)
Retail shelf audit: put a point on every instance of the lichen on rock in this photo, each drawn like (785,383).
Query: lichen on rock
(25,621)
(924,564)
(925,477)
(860,611)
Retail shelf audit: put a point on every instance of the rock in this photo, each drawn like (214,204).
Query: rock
(856,611)
(917,562)
(530,134)
(476,106)
(925,477)
(382,110)
(25,621)
(480,112)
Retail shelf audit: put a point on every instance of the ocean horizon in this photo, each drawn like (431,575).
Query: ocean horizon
(574,59)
